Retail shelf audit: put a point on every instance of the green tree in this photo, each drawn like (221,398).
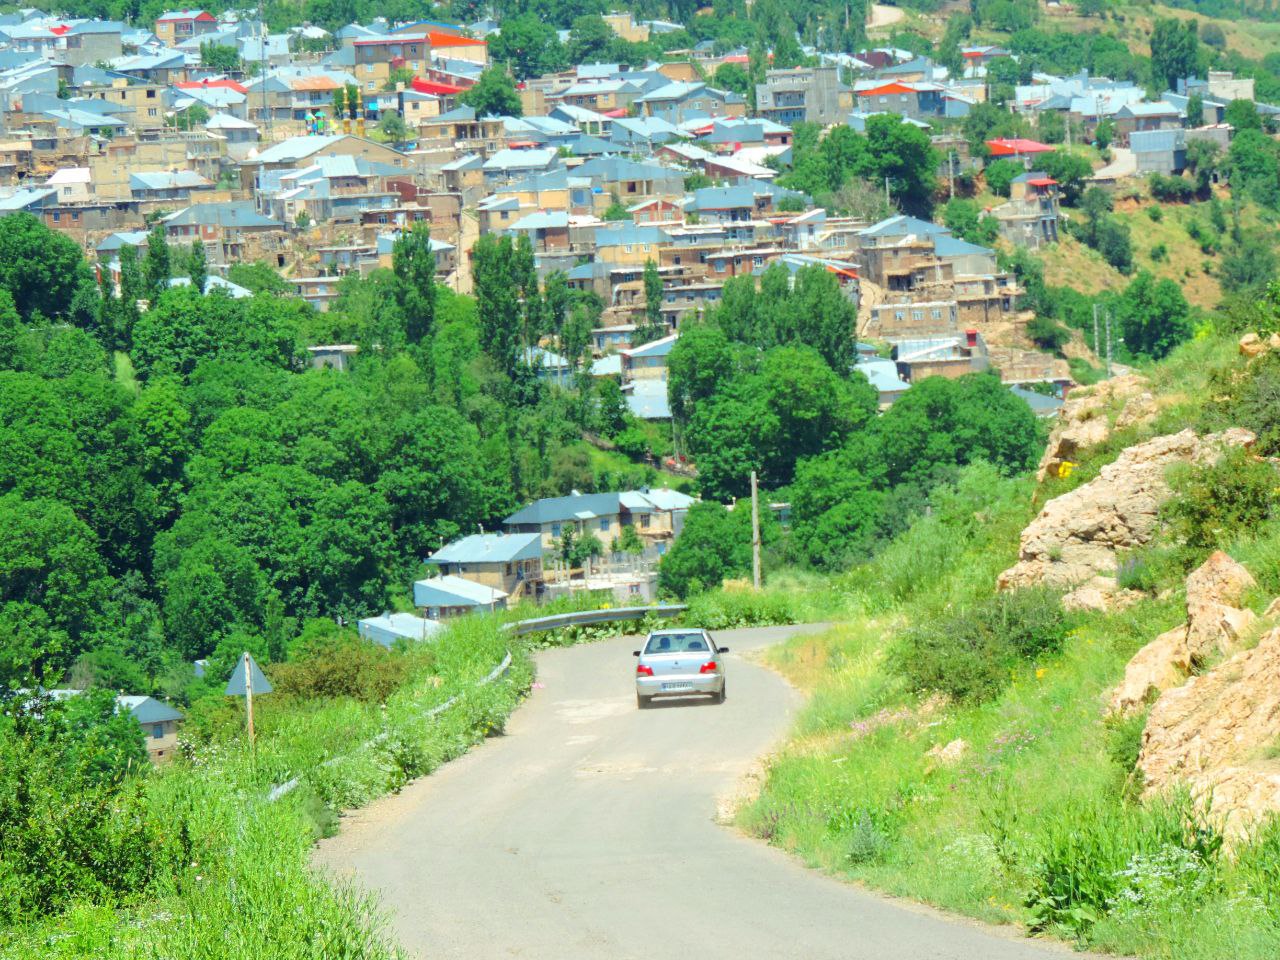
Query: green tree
(493,272)
(1104,133)
(414,265)
(835,510)
(198,267)
(392,126)
(731,76)
(11,330)
(1175,51)
(258,277)
(1154,316)
(654,326)
(1242,115)
(999,175)
(220,57)
(494,94)
(966,220)
(1195,112)
(1070,170)
(1252,165)
(528,45)
(41,268)
(157,265)
(399,78)
(589,37)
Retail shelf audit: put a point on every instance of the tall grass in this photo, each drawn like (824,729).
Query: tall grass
(230,873)
(1032,815)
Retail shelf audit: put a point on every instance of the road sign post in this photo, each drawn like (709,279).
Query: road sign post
(246,680)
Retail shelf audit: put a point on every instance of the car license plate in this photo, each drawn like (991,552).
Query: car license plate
(678,685)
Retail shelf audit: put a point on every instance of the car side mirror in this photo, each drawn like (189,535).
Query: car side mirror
(635,653)
(722,650)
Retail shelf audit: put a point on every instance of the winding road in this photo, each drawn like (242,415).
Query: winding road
(590,831)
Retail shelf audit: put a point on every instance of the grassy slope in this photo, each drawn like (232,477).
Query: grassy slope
(231,870)
(1072,264)
(856,793)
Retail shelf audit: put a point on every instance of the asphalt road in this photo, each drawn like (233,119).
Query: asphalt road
(589,831)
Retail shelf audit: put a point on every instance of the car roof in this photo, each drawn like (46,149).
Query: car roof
(655,633)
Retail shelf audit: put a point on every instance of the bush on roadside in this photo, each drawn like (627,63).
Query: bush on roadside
(1215,502)
(1099,858)
(343,666)
(970,652)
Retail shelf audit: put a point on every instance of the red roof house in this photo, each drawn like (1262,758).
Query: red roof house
(1017,147)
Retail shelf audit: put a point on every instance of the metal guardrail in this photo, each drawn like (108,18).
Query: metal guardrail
(586,617)
(519,628)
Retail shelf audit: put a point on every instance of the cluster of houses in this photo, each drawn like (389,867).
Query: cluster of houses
(110,129)
(526,559)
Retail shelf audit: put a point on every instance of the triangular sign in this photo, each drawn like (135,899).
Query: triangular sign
(257,679)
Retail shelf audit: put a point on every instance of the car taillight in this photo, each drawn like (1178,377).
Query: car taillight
(643,671)
(708,667)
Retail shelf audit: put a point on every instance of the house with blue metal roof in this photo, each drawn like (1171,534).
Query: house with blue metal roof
(387,628)
(647,361)
(449,596)
(509,562)
(677,102)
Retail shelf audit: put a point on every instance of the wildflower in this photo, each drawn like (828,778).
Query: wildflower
(1040,672)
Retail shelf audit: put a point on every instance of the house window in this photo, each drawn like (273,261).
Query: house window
(644,521)
(157,731)
(604,524)
(937,314)
(917,314)
(555,529)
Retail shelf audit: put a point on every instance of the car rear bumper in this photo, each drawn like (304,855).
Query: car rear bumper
(675,686)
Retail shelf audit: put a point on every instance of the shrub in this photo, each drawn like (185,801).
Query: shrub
(1097,856)
(343,666)
(968,653)
(1215,502)
(1159,253)
(1047,333)
(1171,189)
(1254,404)
(1155,213)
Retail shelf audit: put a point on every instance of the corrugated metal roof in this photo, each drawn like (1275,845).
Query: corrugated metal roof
(490,548)
(451,591)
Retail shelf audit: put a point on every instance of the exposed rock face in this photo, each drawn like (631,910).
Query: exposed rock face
(1100,593)
(1251,345)
(1161,665)
(949,753)
(1076,535)
(1213,733)
(1214,592)
(1083,423)
(1214,622)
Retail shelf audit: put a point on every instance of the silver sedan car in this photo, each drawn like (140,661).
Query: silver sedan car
(676,662)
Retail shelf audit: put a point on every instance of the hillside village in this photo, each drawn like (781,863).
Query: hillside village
(319,149)
(645,188)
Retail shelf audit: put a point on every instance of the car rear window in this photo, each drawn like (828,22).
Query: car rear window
(677,643)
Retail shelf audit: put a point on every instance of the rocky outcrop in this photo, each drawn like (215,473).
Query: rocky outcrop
(1214,622)
(1100,594)
(1083,421)
(1214,592)
(1214,733)
(948,754)
(1252,345)
(1076,536)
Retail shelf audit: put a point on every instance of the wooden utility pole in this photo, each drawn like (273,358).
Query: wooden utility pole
(755,532)
(248,696)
